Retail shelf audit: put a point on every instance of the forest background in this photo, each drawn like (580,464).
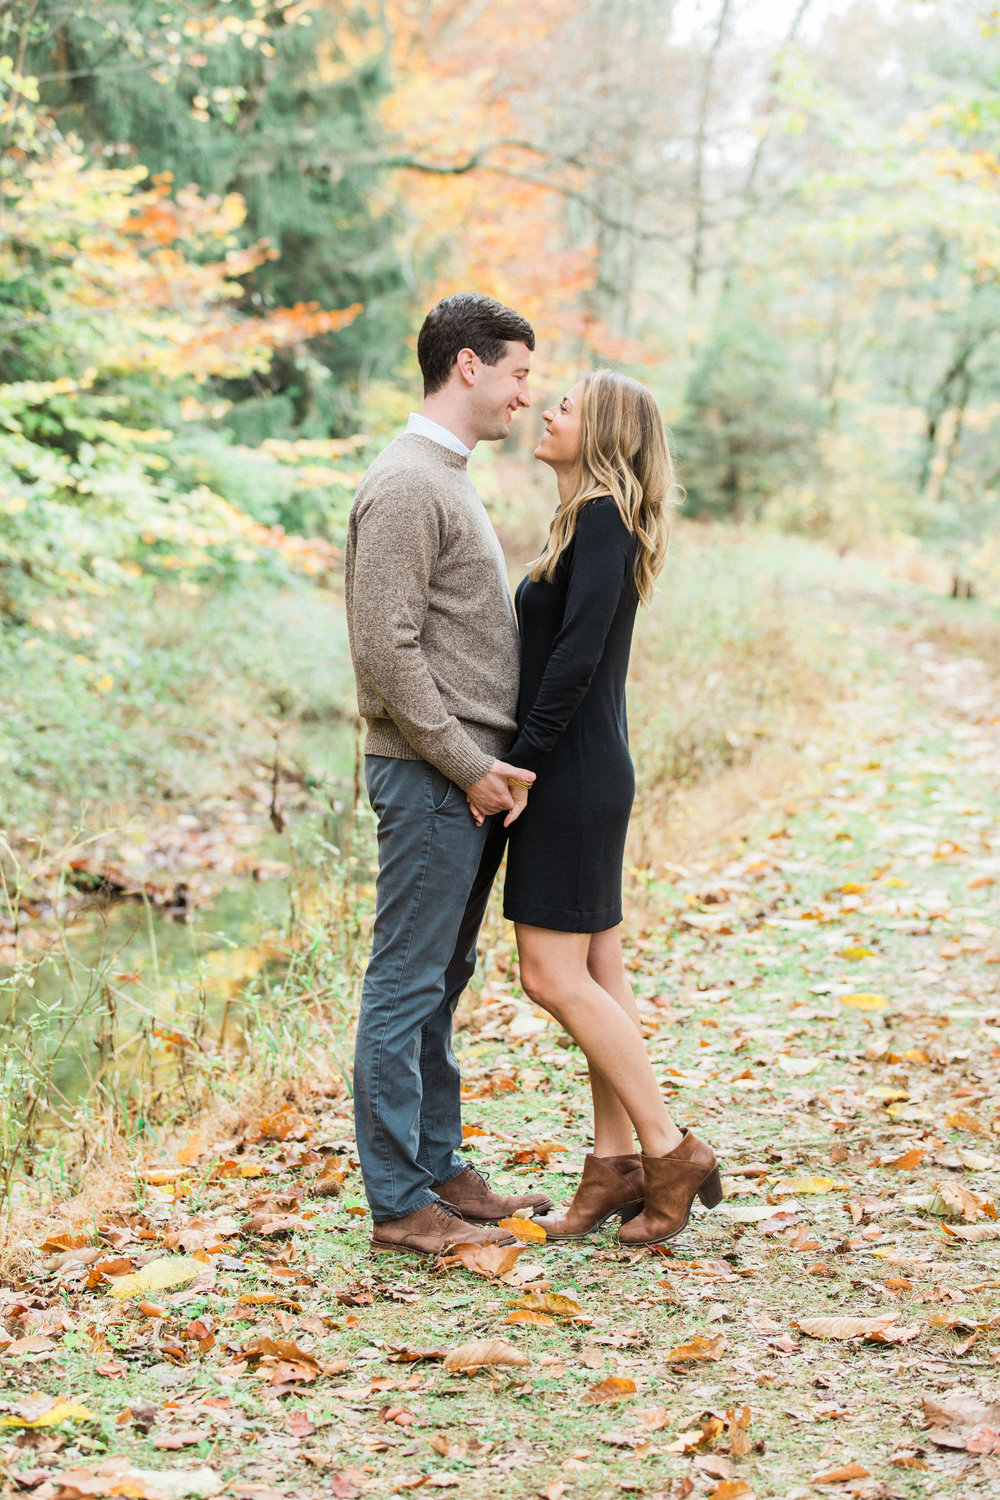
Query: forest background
(221,222)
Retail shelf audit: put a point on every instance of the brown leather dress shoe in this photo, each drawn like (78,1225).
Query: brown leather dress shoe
(610,1186)
(433,1229)
(475,1200)
(672,1183)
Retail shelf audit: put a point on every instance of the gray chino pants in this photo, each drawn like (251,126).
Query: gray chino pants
(436,869)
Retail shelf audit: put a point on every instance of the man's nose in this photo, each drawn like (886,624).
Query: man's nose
(524,397)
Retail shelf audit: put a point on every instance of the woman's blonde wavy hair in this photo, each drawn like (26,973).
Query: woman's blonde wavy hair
(623,453)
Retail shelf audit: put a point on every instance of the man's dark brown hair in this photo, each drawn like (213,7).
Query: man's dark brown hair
(467,321)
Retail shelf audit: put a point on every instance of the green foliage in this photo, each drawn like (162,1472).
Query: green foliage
(747,429)
(293,128)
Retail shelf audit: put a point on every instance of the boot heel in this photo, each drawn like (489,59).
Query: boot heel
(630,1211)
(710,1191)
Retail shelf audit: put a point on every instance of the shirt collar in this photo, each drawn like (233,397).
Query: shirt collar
(424,427)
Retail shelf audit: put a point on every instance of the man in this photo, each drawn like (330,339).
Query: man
(435,652)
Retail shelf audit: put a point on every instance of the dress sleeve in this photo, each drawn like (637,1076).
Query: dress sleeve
(600,568)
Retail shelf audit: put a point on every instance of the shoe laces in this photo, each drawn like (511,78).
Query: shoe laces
(484,1181)
(445,1211)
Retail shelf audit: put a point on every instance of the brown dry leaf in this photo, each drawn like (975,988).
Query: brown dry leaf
(738,1432)
(524,1229)
(483,1260)
(907,1161)
(185,1438)
(896,1333)
(974,1233)
(286,1361)
(115,1476)
(731,1489)
(615,1388)
(538,1154)
(961,1200)
(963,1422)
(653,1418)
(480,1353)
(402,1354)
(32,1343)
(843,1328)
(698,1348)
(841,1475)
(530,1319)
(696,1438)
(270,1224)
(287,1124)
(909,1458)
(56,1242)
(553,1303)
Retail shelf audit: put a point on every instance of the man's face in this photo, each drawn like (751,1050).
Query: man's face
(499,390)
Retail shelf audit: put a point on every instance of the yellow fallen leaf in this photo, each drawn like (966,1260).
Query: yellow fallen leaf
(854,954)
(804,1185)
(524,1229)
(63,1411)
(169,1270)
(864,1001)
(550,1302)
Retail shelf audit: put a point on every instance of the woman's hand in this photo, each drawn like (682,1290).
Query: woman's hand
(479,817)
(519,791)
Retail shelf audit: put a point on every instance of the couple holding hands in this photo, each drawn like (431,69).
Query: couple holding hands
(494,723)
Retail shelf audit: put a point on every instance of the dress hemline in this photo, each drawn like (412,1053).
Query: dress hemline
(563,919)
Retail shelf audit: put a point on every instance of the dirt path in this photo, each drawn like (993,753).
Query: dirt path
(821,998)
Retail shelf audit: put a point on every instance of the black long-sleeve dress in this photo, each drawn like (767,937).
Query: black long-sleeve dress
(564,861)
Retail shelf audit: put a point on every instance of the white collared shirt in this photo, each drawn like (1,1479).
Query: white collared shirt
(424,427)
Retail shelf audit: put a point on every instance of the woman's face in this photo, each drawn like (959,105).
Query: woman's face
(560,442)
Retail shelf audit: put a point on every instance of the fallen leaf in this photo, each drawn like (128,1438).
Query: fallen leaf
(615,1388)
(907,1161)
(739,1426)
(530,1319)
(797,1067)
(974,1233)
(962,1120)
(186,1438)
(864,1001)
(483,1260)
(480,1353)
(524,1229)
(698,1348)
(402,1354)
(51,1416)
(961,1200)
(553,1303)
(963,1422)
(843,1328)
(803,1185)
(115,1476)
(169,1270)
(731,1489)
(841,1475)
(287,1124)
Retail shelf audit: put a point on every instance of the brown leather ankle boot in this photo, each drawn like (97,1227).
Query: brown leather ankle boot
(672,1181)
(610,1185)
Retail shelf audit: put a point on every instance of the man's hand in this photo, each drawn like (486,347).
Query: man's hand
(491,793)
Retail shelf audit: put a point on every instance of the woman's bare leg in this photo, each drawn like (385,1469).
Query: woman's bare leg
(555,973)
(613,1131)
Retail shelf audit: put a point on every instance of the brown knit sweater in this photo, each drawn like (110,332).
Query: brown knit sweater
(429,613)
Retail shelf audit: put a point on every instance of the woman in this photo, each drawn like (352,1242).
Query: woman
(576,611)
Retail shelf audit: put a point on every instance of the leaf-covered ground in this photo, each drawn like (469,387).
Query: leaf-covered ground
(820,995)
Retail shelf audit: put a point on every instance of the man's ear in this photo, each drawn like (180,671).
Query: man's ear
(466,363)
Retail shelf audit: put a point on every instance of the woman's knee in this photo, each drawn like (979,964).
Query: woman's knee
(543,987)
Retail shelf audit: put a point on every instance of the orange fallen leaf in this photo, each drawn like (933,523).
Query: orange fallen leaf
(530,1319)
(962,1120)
(615,1388)
(698,1348)
(840,1475)
(907,1161)
(550,1302)
(731,1489)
